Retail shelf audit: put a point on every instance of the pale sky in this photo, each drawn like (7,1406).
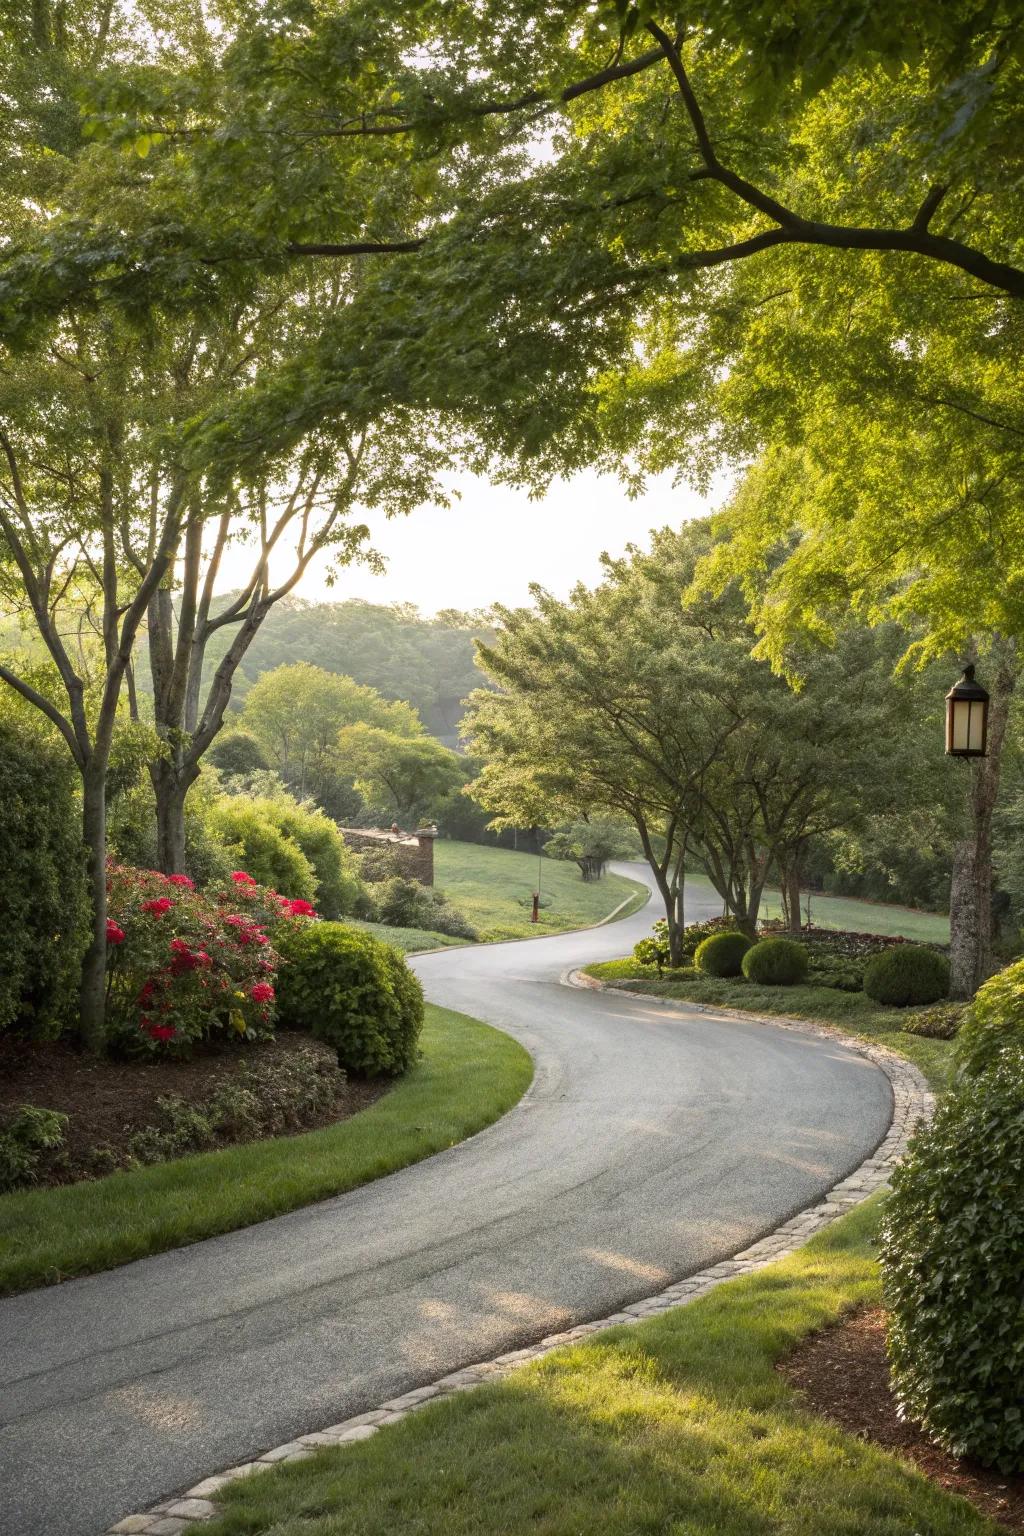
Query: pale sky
(488,546)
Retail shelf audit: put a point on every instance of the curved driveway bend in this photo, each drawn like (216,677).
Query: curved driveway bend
(653,1142)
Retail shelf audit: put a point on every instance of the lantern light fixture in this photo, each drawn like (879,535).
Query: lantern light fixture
(967,717)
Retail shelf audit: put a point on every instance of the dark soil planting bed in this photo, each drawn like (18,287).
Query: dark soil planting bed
(843,1374)
(121,1114)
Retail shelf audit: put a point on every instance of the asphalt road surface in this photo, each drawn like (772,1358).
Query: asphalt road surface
(652,1142)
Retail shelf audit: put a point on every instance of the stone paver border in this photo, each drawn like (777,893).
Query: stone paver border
(912,1102)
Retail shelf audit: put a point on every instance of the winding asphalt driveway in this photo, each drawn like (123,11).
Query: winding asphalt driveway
(653,1142)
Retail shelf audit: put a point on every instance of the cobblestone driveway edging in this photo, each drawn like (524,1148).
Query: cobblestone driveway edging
(912,1102)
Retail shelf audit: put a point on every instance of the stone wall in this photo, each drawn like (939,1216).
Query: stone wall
(414,851)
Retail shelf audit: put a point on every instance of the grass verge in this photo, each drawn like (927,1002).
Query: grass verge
(848,913)
(408,940)
(468,1075)
(494,888)
(852,1011)
(680,1426)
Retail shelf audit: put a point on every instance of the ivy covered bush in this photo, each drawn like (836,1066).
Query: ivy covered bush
(952,1261)
(775,963)
(353,991)
(907,974)
(654,950)
(722,954)
(186,966)
(941,1021)
(404,903)
(27,1138)
(43,914)
(993,1026)
(257,844)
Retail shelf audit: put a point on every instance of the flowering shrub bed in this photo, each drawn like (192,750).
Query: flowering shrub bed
(186,966)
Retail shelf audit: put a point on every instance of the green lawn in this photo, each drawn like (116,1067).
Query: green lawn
(469,1074)
(680,1426)
(844,912)
(408,940)
(494,888)
(852,1011)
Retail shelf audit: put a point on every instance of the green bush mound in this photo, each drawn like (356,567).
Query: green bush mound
(905,975)
(722,954)
(775,963)
(993,1026)
(353,991)
(952,1260)
(940,1022)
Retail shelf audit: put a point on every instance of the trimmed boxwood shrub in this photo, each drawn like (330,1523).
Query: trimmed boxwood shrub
(994,1023)
(952,1259)
(722,954)
(907,974)
(353,991)
(775,963)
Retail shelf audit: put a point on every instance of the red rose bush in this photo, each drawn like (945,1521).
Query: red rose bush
(186,966)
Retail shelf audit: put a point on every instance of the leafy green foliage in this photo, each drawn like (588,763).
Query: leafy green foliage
(993,1029)
(404,776)
(354,992)
(407,904)
(952,1257)
(237,751)
(722,954)
(906,974)
(940,1022)
(25,1140)
(261,847)
(42,895)
(775,963)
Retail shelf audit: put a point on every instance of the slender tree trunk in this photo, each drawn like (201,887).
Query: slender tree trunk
(92,986)
(789,882)
(970,902)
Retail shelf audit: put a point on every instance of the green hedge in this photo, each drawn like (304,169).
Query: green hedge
(953,1260)
(353,991)
(993,1025)
(43,909)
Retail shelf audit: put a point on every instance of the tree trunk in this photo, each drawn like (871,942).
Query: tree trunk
(92,987)
(970,902)
(171,785)
(789,879)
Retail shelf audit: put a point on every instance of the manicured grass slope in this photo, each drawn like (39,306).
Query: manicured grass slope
(845,912)
(494,888)
(408,940)
(852,1011)
(468,1076)
(676,1427)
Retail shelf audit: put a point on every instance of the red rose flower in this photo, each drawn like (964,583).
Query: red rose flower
(300,908)
(161,1031)
(184,880)
(115,934)
(158,906)
(240,877)
(262,992)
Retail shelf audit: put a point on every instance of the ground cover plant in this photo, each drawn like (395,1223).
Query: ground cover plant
(410,941)
(466,1076)
(494,888)
(677,1424)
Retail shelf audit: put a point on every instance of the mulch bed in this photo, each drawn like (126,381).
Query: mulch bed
(843,1375)
(107,1101)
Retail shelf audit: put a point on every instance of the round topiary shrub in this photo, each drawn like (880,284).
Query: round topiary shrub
(994,1022)
(353,991)
(906,974)
(952,1258)
(775,963)
(722,954)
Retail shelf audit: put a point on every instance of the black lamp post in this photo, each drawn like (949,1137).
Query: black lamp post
(966,717)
